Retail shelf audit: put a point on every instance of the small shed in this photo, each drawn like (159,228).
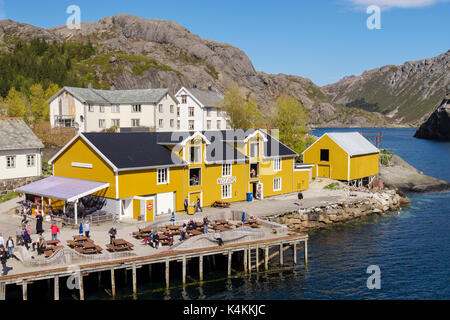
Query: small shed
(345,156)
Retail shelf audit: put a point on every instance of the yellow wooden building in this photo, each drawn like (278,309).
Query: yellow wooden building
(346,156)
(151,173)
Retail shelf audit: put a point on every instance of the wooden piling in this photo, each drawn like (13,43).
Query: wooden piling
(306,252)
(184,270)
(249,259)
(257,259)
(266,258)
(56,288)
(113,283)
(150,271)
(134,279)
(281,254)
(294,254)
(167,273)
(80,282)
(2,291)
(245,261)
(24,290)
(230,254)
(200,267)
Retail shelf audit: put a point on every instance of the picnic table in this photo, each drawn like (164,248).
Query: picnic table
(221,204)
(88,247)
(49,251)
(120,245)
(222,228)
(78,241)
(195,232)
(52,242)
(142,233)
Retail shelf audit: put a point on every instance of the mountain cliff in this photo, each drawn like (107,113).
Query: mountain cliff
(437,126)
(405,94)
(133,52)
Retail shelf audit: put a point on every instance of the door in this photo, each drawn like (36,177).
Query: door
(149,210)
(165,203)
(323,171)
(193,198)
(136,208)
(259,191)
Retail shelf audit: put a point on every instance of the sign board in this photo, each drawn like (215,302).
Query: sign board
(226,180)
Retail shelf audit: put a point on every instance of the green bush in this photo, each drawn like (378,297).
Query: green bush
(332,186)
(386,157)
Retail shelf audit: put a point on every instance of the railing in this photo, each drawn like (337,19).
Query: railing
(92,219)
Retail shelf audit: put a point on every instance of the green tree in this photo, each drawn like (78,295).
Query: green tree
(17,104)
(291,119)
(243,111)
(37,103)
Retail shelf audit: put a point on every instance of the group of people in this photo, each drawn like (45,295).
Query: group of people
(154,241)
(198,206)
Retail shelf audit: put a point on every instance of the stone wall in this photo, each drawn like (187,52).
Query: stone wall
(8,185)
(317,217)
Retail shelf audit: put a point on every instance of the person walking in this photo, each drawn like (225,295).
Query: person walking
(10,246)
(205,224)
(80,229)
(87,228)
(199,207)
(2,241)
(3,259)
(39,220)
(112,235)
(55,230)
(186,204)
(26,238)
(25,213)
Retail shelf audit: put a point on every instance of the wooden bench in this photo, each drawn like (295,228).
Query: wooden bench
(48,252)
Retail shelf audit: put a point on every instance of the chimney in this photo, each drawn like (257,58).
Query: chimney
(210,88)
(195,86)
(112,88)
(150,86)
(90,86)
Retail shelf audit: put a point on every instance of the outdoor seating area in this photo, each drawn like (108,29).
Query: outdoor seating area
(221,204)
(84,245)
(252,223)
(120,245)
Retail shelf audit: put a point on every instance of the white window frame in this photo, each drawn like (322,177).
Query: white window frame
(102,108)
(257,149)
(189,111)
(136,108)
(172,123)
(91,108)
(135,120)
(31,157)
(208,112)
(113,121)
(160,108)
(189,124)
(227,170)
(200,156)
(219,124)
(10,162)
(178,111)
(115,108)
(208,124)
(280,185)
(161,123)
(178,124)
(100,121)
(229,191)
(162,173)
(184,99)
(277,164)
(171,108)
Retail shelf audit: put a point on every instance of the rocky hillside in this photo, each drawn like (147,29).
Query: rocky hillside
(437,126)
(406,93)
(133,52)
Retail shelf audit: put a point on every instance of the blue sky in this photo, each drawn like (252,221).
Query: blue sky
(323,40)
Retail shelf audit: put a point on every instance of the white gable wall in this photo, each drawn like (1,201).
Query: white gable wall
(21,169)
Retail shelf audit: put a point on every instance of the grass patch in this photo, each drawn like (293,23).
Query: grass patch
(386,157)
(212,71)
(332,186)
(8,196)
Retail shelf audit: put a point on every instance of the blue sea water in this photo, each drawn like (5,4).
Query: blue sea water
(411,248)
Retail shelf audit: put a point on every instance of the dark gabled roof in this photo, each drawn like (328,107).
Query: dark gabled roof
(15,134)
(133,150)
(219,150)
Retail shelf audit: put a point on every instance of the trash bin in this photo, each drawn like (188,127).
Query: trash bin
(249,196)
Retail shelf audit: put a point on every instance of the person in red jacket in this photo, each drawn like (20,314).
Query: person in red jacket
(55,230)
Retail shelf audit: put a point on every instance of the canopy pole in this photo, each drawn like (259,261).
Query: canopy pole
(75,205)
(42,206)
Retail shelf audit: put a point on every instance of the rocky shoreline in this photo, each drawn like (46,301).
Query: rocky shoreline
(378,202)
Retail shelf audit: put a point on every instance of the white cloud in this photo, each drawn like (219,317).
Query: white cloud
(396,3)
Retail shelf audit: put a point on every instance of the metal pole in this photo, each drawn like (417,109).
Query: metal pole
(75,211)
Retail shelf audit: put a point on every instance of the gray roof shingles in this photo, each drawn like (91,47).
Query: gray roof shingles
(15,134)
(208,98)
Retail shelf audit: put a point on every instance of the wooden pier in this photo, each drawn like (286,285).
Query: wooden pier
(251,263)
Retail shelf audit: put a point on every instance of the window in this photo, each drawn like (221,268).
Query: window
(254,172)
(135,122)
(195,176)
(208,112)
(30,160)
(183,99)
(276,184)
(191,125)
(115,123)
(136,108)
(226,170)
(178,111)
(254,149)
(172,123)
(115,108)
(160,108)
(195,154)
(102,108)
(324,155)
(208,124)
(277,165)
(163,176)
(91,108)
(171,108)
(219,124)
(191,111)
(10,162)
(226,191)
(178,124)
(160,123)
(101,123)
